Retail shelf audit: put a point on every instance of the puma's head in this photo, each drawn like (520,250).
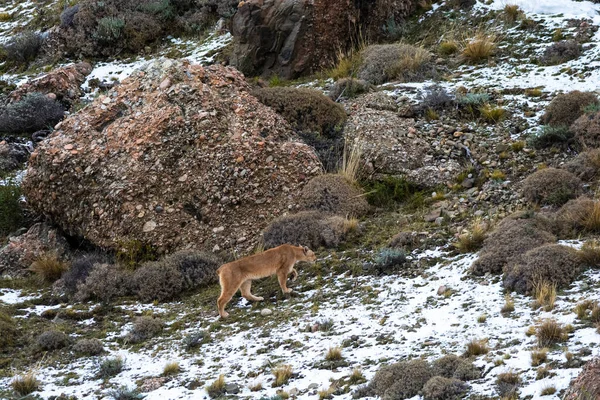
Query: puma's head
(308,254)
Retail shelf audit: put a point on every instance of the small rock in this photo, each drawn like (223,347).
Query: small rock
(432,216)
(232,388)
(219,229)
(441,290)
(266,312)
(313,386)
(149,226)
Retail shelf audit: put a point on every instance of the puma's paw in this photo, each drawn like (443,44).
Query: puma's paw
(287,291)
(294,278)
(259,298)
(224,315)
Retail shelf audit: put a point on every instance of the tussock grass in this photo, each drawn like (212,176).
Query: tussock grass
(477,347)
(282,374)
(334,354)
(479,48)
(482,318)
(357,376)
(473,239)
(110,367)
(550,332)
(25,384)
(48,267)
(217,388)
(256,387)
(509,304)
(172,368)
(545,295)
(447,47)
(548,390)
(511,13)
(327,393)
(590,253)
(538,357)
(492,113)
(351,162)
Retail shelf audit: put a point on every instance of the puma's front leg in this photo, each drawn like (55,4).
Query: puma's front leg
(282,277)
(294,274)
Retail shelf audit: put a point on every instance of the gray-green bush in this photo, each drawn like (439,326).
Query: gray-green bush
(32,113)
(551,186)
(53,340)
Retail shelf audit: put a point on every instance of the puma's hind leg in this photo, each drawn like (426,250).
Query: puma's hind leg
(245,289)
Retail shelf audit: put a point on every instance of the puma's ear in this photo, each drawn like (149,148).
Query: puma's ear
(305,249)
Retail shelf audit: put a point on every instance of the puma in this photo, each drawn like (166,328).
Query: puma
(240,273)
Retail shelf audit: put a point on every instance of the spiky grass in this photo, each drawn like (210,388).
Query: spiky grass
(491,113)
(256,387)
(351,159)
(511,13)
(550,332)
(48,267)
(473,239)
(448,47)
(356,377)
(282,374)
(548,390)
(590,253)
(545,295)
(510,377)
(172,368)
(217,388)
(334,354)
(326,393)
(482,318)
(509,304)
(25,384)
(538,357)
(477,347)
(350,225)
(479,48)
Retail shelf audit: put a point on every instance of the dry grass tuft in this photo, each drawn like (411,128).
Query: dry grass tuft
(509,304)
(479,48)
(448,47)
(356,377)
(492,114)
(482,318)
(327,393)
(477,347)
(538,357)
(217,388)
(49,267)
(334,354)
(550,333)
(548,390)
(25,384)
(282,374)
(473,240)
(171,368)
(256,387)
(590,253)
(351,162)
(512,13)
(545,295)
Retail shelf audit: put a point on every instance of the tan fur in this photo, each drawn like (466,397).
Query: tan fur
(240,273)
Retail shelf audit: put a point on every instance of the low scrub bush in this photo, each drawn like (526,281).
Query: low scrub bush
(11,211)
(8,327)
(132,253)
(332,193)
(551,186)
(389,260)
(53,340)
(590,254)
(385,62)
(307,228)
(561,52)
(587,130)
(68,16)
(110,367)
(514,236)
(549,135)
(88,347)
(23,48)
(79,270)
(125,393)
(49,267)
(581,215)
(144,328)
(586,166)
(507,384)
(105,282)
(440,388)
(388,191)
(32,113)
(553,264)
(195,340)
(437,98)
(452,366)
(401,380)
(565,108)
(348,88)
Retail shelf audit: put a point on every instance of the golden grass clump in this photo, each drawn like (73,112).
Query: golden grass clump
(351,162)
(256,387)
(473,239)
(590,253)
(544,294)
(282,374)
(477,347)
(491,113)
(356,376)
(550,332)
(172,368)
(548,390)
(479,48)
(448,47)
(217,388)
(482,318)
(327,393)
(25,384)
(334,354)
(49,267)
(538,357)
(512,13)
(509,304)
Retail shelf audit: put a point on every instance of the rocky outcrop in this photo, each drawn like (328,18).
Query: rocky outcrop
(290,38)
(12,155)
(24,249)
(587,384)
(63,84)
(391,145)
(177,156)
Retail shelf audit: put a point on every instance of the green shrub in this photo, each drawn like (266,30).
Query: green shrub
(514,236)
(109,29)
(551,263)
(88,347)
(195,340)
(132,253)
(561,52)
(401,380)
(332,193)
(11,212)
(160,8)
(144,328)
(125,393)
(565,108)
(53,340)
(105,282)
(587,130)
(23,48)
(440,388)
(110,367)
(404,62)
(549,135)
(390,259)
(388,191)
(551,186)
(197,268)
(33,112)
(307,228)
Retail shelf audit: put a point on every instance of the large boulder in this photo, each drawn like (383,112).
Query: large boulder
(177,156)
(290,38)
(587,384)
(64,83)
